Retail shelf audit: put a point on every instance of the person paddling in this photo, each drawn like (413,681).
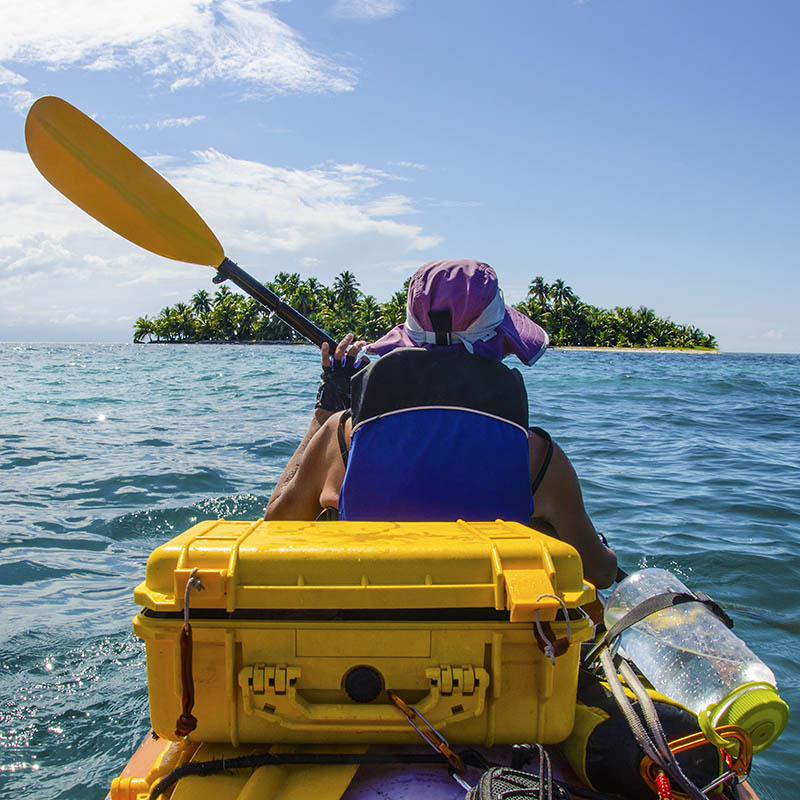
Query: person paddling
(438,428)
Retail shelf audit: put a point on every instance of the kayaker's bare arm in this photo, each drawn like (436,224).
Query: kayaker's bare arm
(296,494)
(559,502)
(315,471)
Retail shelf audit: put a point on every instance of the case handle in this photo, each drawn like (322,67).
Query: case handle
(269,691)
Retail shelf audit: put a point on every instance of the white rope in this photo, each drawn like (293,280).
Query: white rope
(549,650)
(192,583)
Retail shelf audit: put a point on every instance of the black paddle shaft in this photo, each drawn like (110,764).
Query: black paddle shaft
(228,270)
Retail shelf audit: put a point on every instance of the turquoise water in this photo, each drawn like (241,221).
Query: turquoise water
(688,462)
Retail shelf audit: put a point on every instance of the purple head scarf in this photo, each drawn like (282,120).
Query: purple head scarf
(482,322)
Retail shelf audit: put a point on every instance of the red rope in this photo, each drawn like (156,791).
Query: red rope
(663,786)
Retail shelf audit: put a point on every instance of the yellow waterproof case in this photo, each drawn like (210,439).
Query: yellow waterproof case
(302,629)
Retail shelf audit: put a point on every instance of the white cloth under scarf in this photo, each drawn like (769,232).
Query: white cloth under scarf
(481,329)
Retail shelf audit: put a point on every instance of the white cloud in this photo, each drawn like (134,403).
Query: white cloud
(173,122)
(366,9)
(268,209)
(9,78)
(10,82)
(456,203)
(392,205)
(56,261)
(177,42)
(409,165)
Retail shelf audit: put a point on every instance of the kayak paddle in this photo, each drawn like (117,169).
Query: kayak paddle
(108,181)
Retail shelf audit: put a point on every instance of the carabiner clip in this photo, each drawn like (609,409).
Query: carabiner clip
(433,738)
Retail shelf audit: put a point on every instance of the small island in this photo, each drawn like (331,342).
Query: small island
(230,317)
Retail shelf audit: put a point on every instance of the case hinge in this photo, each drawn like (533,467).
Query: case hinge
(215,585)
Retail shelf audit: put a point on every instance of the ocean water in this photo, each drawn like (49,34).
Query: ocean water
(687,462)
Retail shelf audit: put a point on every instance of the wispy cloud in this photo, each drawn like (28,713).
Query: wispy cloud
(366,9)
(174,122)
(392,205)
(9,78)
(455,203)
(12,92)
(316,221)
(176,42)
(408,165)
(313,212)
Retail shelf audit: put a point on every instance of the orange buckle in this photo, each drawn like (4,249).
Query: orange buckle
(740,768)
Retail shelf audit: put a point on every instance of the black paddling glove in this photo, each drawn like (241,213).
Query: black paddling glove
(333,393)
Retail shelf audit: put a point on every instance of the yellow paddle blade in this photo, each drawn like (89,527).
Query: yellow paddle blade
(99,174)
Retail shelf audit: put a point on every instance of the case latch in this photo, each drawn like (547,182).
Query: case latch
(270,692)
(454,680)
(268,679)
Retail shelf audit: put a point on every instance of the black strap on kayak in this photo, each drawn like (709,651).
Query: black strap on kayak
(650,606)
(471,758)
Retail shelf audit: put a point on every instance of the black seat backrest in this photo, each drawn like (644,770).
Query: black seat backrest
(409,377)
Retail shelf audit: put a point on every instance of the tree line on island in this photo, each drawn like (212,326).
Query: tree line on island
(228,316)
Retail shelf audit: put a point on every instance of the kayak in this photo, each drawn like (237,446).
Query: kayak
(156,757)
(353,660)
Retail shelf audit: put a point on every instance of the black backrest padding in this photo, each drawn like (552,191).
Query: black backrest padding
(409,377)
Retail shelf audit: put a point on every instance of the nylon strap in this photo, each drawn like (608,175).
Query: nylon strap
(442,324)
(186,722)
(653,605)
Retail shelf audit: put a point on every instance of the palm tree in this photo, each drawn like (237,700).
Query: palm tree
(220,295)
(143,327)
(286,284)
(539,291)
(394,312)
(201,302)
(224,317)
(560,293)
(346,289)
(644,324)
(167,325)
(576,327)
(602,327)
(248,314)
(184,321)
(305,297)
(369,319)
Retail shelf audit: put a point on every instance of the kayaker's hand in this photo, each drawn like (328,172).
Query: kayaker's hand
(334,387)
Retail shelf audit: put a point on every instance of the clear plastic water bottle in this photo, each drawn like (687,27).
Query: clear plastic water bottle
(688,654)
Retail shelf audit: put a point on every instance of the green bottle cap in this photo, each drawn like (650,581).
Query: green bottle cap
(756,707)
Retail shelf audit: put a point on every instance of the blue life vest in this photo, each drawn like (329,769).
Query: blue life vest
(438,435)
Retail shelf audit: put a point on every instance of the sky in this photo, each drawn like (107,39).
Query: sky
(644,152)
